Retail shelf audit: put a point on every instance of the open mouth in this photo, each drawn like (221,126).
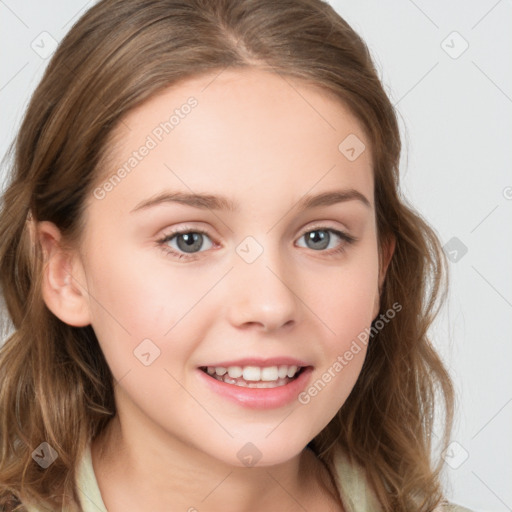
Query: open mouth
(255,376)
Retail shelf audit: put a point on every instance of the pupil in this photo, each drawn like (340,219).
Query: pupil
(192,241)
(319,237)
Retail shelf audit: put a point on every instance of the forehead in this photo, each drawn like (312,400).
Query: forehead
(244,130)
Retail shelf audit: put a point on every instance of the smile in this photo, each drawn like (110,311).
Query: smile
(255,376)
(257,384)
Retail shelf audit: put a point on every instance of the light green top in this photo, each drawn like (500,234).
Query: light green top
(356,495)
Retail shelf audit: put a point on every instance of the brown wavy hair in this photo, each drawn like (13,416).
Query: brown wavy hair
(56,385)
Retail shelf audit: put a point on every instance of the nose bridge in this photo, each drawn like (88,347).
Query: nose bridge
(262,292)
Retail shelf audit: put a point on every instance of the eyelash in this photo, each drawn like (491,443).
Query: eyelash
(348,239)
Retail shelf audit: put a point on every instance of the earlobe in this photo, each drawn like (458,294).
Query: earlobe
(62,284)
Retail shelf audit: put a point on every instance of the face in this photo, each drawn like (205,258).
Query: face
(204,305)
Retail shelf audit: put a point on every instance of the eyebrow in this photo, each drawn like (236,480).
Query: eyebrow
(218,202)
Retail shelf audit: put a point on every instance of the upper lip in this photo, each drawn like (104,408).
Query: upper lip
(258,361)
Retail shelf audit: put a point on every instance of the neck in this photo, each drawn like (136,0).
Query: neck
(149,472)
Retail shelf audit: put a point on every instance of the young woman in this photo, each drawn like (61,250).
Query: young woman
(220,299)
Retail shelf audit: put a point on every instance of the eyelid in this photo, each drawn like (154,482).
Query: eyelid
(161,242)
(345,238)
(194,229)
(327,225)
(183,230)
(340,232)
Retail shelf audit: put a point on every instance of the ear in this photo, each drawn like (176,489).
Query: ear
(386,252)
(63,279)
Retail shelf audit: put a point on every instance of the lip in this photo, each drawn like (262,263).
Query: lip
(254,361)
(258,398)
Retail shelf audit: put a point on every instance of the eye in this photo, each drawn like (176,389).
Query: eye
(187,243)
(319,239)
(181,243)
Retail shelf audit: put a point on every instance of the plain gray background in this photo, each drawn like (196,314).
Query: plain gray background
(447,67)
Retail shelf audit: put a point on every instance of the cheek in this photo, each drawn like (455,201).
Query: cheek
(140,307)
(126,307)
(128,292)
(346,309)
(346,304)
(343,352)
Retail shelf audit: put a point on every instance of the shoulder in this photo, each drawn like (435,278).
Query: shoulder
(90,495)
(87,485)
(356,493)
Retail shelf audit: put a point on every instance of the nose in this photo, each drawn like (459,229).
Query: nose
(262,294)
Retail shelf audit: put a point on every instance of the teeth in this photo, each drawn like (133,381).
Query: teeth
(234,372)
(282,372)
(292,371)
(269,373)
(253,373)
(248,384)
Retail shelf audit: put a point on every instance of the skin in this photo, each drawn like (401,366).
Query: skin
(264,144)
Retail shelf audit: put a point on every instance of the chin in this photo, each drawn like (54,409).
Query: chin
(263,452)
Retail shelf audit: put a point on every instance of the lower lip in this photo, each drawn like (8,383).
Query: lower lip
(259,398)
